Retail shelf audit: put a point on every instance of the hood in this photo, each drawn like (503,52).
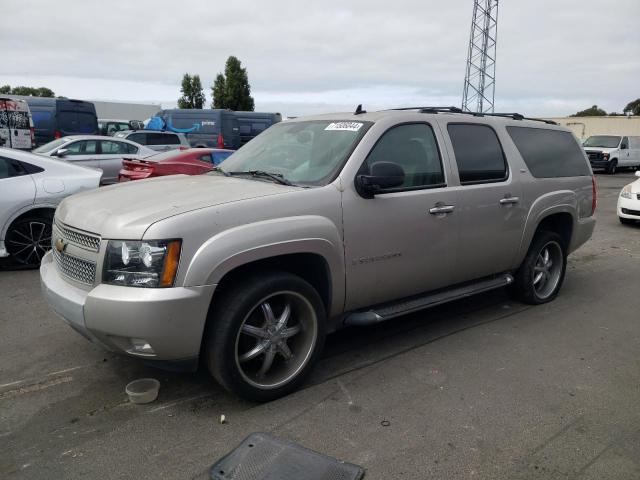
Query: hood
(599,149)
(126,210)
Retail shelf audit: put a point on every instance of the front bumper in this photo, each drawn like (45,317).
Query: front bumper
(629,208)
(170,320)
(600,163)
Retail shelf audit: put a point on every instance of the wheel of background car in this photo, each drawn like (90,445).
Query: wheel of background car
(612,167)
(29,238)
(264,335)
(539,278)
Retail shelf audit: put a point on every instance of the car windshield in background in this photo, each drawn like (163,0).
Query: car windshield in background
(47,147)
(305,153)
(605,141)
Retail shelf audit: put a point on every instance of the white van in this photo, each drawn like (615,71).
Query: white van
(16,124)
(612,152)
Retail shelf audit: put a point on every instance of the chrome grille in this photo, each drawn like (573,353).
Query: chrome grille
(75,268)
(90,242)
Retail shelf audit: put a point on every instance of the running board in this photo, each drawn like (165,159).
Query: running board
(395,309)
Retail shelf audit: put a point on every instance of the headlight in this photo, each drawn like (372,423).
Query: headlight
(605,156)
(626,192)
(141,263)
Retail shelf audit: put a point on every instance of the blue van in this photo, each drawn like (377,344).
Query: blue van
(214,128)
(59,117)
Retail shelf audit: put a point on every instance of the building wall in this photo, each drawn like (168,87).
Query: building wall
(584,127)
(125,111)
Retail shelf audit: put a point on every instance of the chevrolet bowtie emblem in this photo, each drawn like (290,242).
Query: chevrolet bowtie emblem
(60,245)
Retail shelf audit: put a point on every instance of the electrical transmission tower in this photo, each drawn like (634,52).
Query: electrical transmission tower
(480,78)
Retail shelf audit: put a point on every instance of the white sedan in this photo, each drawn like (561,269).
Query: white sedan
(105,153)
(31,186)
(629,202)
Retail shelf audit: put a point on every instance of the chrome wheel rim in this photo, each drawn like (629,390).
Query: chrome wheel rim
(276,340)
(28,242)
(547,270)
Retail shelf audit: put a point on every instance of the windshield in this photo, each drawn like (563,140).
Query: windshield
(308,153)
(606,141)
(50,146)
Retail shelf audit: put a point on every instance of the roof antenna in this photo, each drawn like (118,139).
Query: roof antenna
(359,110)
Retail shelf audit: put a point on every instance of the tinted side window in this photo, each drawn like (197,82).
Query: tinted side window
(414,148)
(549,153)
(130,148)
(11,168)
(140,138)
(219,157)
(478,152)
(168,139)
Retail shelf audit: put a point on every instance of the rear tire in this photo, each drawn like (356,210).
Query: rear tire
(539,278)
(612,167)
(264,335)
(29,238)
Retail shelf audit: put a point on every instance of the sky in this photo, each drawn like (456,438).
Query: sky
(554,57)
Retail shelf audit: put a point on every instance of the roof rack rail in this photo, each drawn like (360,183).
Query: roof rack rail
(515,116)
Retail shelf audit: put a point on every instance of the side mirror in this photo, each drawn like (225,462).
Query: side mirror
(62,152)
(637,173)
(383,175)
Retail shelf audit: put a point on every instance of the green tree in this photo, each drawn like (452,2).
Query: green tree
(218,92)
(591,112)
(633,107)
(235,85)
(27,91)
(192,94)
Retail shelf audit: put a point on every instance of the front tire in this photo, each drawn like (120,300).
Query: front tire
(539,278)
(28,239)
(612,167)
(264,335)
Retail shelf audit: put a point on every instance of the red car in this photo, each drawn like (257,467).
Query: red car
(191,161)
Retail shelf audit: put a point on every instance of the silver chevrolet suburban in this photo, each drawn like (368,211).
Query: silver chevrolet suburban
(316,224)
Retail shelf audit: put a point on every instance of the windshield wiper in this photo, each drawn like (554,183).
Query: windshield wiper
(276,177)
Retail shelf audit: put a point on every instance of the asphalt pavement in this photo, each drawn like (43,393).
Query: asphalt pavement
(484,388)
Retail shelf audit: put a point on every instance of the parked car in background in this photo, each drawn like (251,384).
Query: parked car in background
(629,202)
(316,224)
(104,153)
(59,117)
(214,128)
(155,140)
(110,126)
(31,186)
(16,124)
(612,152)
(193,161)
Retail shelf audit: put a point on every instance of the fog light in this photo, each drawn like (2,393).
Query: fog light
(140,345)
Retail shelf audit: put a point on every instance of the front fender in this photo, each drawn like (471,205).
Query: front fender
(560,201)
(244,244)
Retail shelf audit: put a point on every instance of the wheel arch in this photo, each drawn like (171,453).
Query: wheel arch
(26,212)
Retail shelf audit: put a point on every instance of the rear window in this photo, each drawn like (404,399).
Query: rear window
(140,138)
(76,122)
(549,153)
(41,119)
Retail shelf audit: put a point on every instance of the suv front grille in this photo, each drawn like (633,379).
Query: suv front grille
(85,240)
(77,269)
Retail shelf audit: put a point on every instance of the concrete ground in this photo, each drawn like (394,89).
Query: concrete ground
(482,388)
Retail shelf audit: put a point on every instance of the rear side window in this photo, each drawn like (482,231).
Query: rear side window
(84,147)
(168,139)
(549,153)
(114,148)
(478,152)
(11,168)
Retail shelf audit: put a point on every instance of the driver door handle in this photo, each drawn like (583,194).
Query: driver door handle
(509,200)
(440,209)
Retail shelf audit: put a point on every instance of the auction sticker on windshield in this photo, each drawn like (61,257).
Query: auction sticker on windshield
(345,126)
